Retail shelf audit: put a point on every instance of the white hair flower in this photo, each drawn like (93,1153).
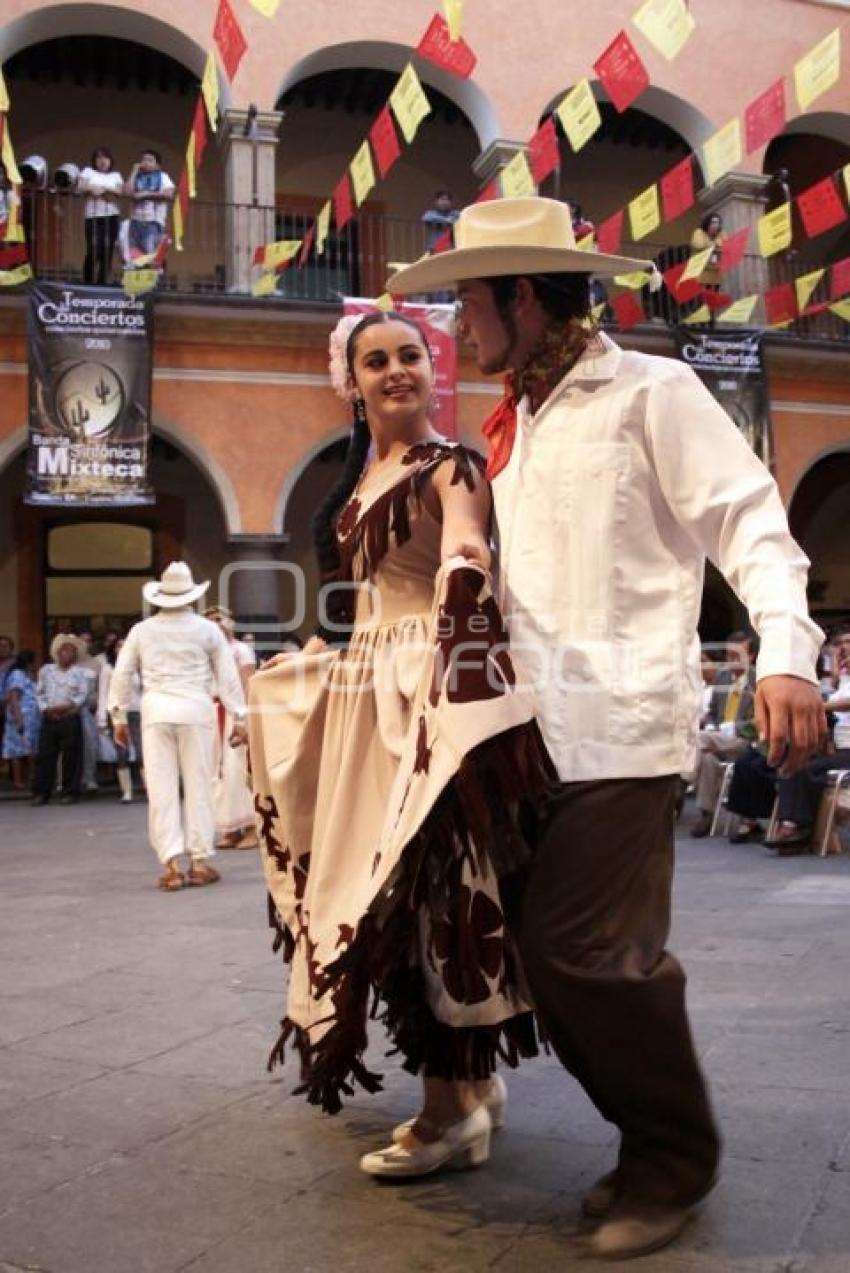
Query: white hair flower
(337,362)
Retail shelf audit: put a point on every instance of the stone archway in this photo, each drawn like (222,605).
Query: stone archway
(818,514)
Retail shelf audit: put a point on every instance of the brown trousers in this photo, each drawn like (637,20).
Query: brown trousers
(610,998)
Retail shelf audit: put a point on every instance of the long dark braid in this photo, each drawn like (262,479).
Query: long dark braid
(338,602)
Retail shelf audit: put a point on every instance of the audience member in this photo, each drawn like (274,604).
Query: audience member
(22,720)
(62,689)
(581,226)
(725,735)
(91,664)
(152,192)
(709,234)
(121,755)
(439,218)
(101,185)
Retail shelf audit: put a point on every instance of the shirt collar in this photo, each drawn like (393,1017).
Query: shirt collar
(599,362)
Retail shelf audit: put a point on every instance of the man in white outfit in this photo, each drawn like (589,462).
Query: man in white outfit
(179,656)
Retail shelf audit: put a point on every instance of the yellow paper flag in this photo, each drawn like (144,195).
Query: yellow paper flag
(778,327)
(774,230)
(362,173)
(842,309)
(587,243)
(667,25)
(818,70)
(644,214)
(279,252)
(579,114)
(209,89)
(517,180)
(268,8)
(265,285)
(409,103)
(177,225)
(453,9)
(634,281)
(805,286)
(384,302)
(190,167)
(11,278)
(7,154)
(323,223)
(739,311)
(701,315)
(597,311)
(4,93)
(14,229)
(697,263)
(137,281)
(723,151)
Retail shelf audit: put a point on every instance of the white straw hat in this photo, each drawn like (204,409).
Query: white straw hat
(175,588)
(510,236)
(67,638)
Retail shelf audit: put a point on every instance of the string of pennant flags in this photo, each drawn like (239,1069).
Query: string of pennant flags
(667,25)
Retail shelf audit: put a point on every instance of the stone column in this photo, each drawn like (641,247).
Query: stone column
(740,200)
(261,589)
(250,140)
(497,155)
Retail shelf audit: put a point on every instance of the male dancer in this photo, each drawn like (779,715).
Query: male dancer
(615,475)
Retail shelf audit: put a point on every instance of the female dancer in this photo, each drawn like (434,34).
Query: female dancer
(390,773)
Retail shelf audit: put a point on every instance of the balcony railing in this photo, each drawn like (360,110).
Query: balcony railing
(220,240)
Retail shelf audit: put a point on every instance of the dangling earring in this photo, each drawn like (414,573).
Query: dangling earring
(359,410)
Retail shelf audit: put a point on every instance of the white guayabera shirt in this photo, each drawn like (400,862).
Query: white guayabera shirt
(628,476)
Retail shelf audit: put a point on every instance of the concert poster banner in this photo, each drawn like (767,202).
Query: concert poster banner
(90,361)
(731,366)
(438,324)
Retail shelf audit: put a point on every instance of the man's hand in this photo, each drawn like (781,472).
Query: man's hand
(238,735)
(790,717)
(121,736)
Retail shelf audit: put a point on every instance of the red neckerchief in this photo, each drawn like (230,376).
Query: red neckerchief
(561,346)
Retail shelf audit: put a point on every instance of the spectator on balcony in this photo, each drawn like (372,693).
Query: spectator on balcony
(101,185)
(152,192)
(581,226)
(778,189)
(439,219)
(709,234)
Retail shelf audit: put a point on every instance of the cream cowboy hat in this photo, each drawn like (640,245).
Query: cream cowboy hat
(510,236)
(175,588)
(67,638)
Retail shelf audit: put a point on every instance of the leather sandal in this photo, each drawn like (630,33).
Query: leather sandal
(172,877)
(199,874)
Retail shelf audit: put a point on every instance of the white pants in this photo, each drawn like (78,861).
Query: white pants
(175,754)
(232,798)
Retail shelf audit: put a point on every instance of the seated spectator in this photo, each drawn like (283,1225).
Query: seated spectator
(152,193)
(439,218)
(751,795)
(728,728)
(800,795)
(22,719)
(101,185)
(61,690)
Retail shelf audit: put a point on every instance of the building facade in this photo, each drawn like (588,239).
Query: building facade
(247,433)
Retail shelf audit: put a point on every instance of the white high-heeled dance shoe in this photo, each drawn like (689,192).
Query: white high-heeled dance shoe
(463,1144)
(495,1105)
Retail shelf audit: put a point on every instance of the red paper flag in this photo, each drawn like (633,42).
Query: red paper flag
(343,206)
(444,242)
(780,303)
(13,254)
(621,72)
(307,245)
(681,292)
(677,189)
(765,117)
(384,141)
(733,248)
(229,38)
(609,233)
(543,152)
(839,280)
(820,207)
(715,300)
(199,130)
(490,191)
(438,47)
(627,310)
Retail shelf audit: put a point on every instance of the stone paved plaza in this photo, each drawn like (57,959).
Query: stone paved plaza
(139,1132)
